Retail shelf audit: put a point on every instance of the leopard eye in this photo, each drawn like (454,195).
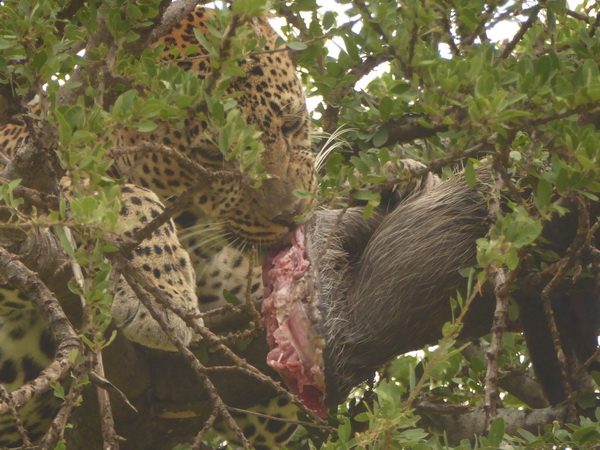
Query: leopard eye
(292,124)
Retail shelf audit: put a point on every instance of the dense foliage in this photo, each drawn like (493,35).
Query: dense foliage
(440,91)
(446,94)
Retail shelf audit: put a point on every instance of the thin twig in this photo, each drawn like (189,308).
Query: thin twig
(182,200)
(57,428)
(519,35)
(194,322)
(208,423)
(566,262)
(250,307)
(483,18)
(588,362)
(442,346)
(448,30)
(5,396)
(145,147)
(106,385)
(283,419)
(492,355)
(578,16)
(425,407)
(595,25)
(107,420)
(142,286)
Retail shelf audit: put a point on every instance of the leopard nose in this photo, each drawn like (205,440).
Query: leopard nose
(287,219)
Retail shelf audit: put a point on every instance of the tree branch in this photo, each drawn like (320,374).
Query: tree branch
(465,426)
(519,35)
(65,336)
(566,262)
(142,290)
(492,355)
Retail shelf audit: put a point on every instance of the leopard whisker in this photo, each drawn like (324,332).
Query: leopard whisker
(201,228)
(210,243)
(334,141)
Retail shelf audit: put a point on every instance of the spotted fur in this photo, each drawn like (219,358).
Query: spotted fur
(204,250)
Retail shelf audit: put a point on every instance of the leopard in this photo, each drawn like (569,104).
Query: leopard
(205,249)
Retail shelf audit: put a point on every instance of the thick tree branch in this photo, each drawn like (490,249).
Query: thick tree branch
(65,336)
(523,387)
(407,129)
(466,426)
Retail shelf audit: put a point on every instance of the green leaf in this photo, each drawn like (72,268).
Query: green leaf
(360,165)
(351,47)
(380,137)
(511,259)
(543,194)
(385,107)
(362,417)
(133,12)
(250,8)
(365,195)
(73,355)
(527,233)
(587,434)
(470,176)
(65,132)
(132,36)
(328,20)
(485,85)
(59,391)
(496,433)
(344,430)
(125,100)
(231,298)
(297,45)
(146,126)
(590,72)
(39,60)
(88,205)
(65,242)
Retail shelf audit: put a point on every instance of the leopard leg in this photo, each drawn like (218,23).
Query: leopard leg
(162,258)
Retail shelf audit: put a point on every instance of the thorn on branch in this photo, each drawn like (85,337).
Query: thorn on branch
(106,385)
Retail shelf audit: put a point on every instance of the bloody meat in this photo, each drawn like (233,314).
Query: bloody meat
(289,313)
